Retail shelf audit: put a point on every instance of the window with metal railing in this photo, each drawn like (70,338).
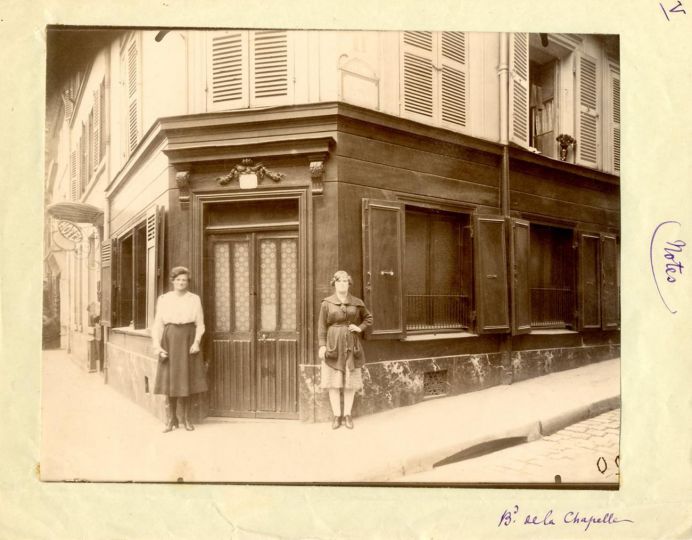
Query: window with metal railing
(437,271)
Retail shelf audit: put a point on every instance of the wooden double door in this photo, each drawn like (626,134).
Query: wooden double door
(254,313)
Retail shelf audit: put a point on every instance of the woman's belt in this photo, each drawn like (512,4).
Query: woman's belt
(180,324)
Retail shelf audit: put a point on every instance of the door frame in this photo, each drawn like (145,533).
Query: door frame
(200,203)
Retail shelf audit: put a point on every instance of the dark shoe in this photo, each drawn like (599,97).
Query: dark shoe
(170,425)
(348,421)
(176,424)
(336,422)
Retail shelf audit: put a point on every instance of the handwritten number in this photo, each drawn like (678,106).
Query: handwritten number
(602,465)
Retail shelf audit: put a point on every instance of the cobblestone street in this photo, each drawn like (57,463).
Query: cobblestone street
(585,452)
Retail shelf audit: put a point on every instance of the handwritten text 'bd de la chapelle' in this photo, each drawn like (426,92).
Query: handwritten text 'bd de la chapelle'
(552,518)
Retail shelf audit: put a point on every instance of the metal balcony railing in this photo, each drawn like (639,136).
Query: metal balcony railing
(437,311)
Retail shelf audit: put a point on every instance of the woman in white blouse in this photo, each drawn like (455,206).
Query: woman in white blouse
(176,334)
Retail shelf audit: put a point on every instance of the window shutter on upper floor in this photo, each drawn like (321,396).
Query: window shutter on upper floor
(519,89)
(270,74)
(610,297)
(417,75)
(96,127)
(589,289)
(106,285)
(454,78)
(588,109)
(383,252)
(492,310)
(521,287)
(74,190)
(614,89)
(131,85)
(227,70)
(103,113)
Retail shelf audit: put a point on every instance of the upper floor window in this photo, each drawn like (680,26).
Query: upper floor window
(434,78)
(249,68)
(90,148)
(558,85)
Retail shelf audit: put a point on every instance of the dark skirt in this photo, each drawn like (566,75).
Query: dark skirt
(182,373)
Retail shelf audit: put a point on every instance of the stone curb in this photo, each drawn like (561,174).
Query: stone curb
(532,431)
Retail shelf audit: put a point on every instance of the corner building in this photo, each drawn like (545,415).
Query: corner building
(425,164)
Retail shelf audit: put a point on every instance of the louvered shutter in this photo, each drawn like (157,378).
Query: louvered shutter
(96,127)
(589,292)
(270,81)
(83,153)
(102,120)
(453,78)
(106,283)
(383,246)
(418,86)
(609,285)
(615,117)
(228,70)
(492,310)
(152,263)
(132,96)
(588,111)
(74,190)
(519,89)
(161,279)
(521,287)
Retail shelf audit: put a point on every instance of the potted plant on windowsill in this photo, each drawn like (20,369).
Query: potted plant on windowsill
(565,142)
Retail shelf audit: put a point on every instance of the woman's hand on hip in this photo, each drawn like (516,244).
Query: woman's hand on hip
(354,328)
(322,352)
(163,354)
(194,348)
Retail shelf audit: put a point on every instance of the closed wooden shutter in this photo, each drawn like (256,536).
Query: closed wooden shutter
(161,277)
(588,111)
(383,246)
(106,285)
(227,73)
(521,286)
(74,190)
(492,310)
(454,78)
(83,161)
(270,82)
(519,89)
(610,296)
(96,127)
(589,292)
(132,96)
(615,117)
(417,78)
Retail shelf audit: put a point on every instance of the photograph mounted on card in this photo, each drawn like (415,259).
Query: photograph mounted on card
(399,250)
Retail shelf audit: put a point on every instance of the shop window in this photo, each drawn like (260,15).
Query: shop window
(431,271)
(435,281)
(249,68)
(563,279)
(434,78)
(551,269)
(132,273)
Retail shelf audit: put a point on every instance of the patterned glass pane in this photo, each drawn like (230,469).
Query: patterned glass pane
(268,285)
(222,296)
(241,282)
(289,284)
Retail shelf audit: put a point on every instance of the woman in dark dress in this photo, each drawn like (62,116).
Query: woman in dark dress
(342,320)
(176,334)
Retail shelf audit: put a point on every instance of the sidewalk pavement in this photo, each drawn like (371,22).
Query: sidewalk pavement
(91,432)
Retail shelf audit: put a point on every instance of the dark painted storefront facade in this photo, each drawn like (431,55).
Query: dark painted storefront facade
(482,264)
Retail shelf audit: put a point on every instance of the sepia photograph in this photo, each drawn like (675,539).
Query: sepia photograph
(341,257)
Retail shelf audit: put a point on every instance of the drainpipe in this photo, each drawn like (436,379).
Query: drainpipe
(503,72)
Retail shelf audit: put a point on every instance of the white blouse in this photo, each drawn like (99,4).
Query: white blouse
(177,309)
